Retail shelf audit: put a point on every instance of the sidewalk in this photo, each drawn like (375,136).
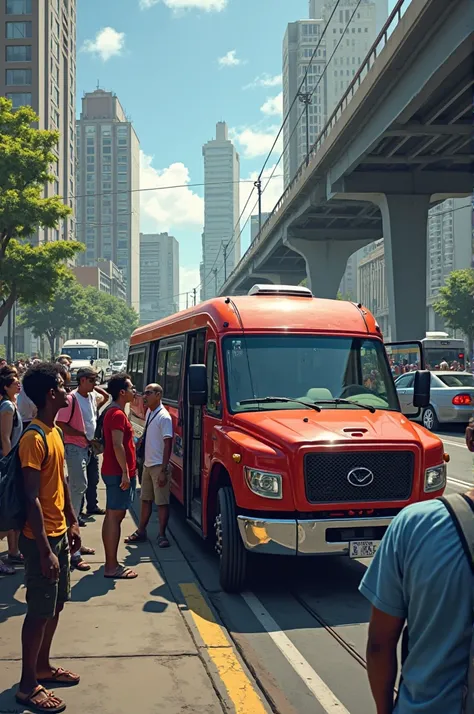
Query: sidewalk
(139,645)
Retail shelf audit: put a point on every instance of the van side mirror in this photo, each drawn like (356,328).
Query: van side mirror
(197,385)
(421,389)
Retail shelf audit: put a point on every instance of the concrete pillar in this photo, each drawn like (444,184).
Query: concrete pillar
(405,220)
(325,260)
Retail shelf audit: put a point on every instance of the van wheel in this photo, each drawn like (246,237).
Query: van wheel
(430,420)
(229,546)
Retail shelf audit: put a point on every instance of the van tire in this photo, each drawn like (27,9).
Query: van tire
(229,546)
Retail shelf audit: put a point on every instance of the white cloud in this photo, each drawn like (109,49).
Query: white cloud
(230,59)
(169,207)
(206,5)
(271,192)
(265,80)
(256,142)
(189,278)
(273,106)
(107,43)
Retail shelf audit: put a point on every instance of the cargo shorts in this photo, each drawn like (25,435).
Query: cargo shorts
(151,489)
(42,595)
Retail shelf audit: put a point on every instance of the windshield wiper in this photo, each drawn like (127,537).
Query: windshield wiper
(347,401)
(271,400)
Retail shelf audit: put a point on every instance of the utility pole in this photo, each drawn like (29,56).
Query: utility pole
(258,186)
(9,338)
(225,245)
(215,280)
(305,98)
(194,296)
(187,300)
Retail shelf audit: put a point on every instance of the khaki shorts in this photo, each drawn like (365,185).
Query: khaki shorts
(151,490)
(42,595)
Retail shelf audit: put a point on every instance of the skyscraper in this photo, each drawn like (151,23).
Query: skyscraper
(220,238)
(300,41)
(159,276)
(108,179)
(38,68)
(350,45)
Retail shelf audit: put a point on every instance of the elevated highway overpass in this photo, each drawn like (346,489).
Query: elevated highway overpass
(399,140)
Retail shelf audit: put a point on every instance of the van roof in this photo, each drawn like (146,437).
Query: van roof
(262,313)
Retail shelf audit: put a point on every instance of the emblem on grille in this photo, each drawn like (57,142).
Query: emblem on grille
(360,476)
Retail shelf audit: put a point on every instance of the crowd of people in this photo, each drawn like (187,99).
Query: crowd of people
(403,366)
(58,454)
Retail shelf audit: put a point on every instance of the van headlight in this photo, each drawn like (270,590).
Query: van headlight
(435,478)
(264,483)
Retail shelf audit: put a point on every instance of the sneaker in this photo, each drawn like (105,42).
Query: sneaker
(82,523)
(96,511)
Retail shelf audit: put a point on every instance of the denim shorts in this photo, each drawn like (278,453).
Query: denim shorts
(116,498)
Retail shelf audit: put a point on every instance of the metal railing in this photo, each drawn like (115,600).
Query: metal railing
(305,167)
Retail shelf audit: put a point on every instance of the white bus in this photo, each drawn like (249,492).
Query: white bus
(438,347)
(87,353)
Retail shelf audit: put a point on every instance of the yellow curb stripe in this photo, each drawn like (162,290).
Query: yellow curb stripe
(240,689)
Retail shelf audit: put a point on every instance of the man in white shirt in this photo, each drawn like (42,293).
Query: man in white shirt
(154,448)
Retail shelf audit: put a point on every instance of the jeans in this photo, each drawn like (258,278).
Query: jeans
(77,458)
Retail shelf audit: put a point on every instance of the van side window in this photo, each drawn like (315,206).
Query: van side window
(168,372)
(214,404)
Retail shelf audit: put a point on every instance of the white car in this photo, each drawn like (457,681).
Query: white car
(119,366)
(451,398)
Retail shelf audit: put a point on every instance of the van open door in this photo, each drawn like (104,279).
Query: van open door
(412,380)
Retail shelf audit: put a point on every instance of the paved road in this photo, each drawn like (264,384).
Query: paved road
(301,627)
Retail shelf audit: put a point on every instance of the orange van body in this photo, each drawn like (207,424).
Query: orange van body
(335,474)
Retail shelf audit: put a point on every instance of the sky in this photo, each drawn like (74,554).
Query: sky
(178,67)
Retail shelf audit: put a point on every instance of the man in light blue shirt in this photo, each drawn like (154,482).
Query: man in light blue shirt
(420,577)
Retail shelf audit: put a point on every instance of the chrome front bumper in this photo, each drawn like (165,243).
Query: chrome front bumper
(294,537)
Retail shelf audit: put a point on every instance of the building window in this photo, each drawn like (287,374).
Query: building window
(18,7)
(18,76)
(18,53)
(18,30)
(19,99)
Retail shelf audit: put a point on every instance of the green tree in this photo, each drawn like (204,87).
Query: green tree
(108,317)
(26,155)
(67,310)
(456,302)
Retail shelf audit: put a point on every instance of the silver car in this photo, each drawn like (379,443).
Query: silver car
(451,398)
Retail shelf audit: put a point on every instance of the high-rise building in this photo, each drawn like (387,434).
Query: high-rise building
(159,276)
(38,69)
(108,179)
(300,41)
(221,235)
(316,10)
(105,276)
(254,225)
(352,48)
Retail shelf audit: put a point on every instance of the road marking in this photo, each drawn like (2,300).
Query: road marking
(328,700)
(453,443)
(457,482)
(241,690)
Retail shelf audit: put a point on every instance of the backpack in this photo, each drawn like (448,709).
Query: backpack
(463,517)
(12,499)
(98,442)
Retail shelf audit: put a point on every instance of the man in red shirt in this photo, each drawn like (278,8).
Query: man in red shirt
(119,469)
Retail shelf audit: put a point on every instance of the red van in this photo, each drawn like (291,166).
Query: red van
(288,434)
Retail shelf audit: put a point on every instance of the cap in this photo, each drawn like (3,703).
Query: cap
(86,372)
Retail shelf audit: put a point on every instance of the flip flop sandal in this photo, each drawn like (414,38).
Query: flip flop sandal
(136,538)
(123,574)
(163,542)
(80,565)
(40,706)
(87,551)
(59,675)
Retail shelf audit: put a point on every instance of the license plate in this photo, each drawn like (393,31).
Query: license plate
(363,548)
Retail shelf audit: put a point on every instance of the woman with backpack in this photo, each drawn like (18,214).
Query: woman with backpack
(11,427)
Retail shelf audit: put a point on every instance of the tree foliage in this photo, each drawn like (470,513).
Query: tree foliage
(26,155)
(85,311)
(456,302)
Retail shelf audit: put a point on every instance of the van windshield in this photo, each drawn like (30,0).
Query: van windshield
(313,368)
(81,353)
